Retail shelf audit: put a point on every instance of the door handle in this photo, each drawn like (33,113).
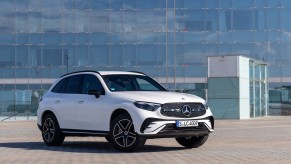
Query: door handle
(57,101)
(81,102)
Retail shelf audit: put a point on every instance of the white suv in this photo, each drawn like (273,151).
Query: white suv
(125,107)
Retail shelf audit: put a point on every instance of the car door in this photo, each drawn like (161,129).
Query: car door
(64,100)
(88,107)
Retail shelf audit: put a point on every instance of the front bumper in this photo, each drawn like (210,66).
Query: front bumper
(160,128)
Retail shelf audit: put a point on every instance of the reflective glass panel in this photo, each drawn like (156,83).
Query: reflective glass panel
(69,55)
(21,53)
(81,56)
(52,38)
(82,21)
(211,23)
(7,56)
(34,55)
(68,38)
(260,3)
(21,22)
(242,4)
(146,55)
(7,22)
(68,4)
(52,4)
(286,3)
(6,5)
(21,73)
(194,4)
(69,22)
(211,4)
(116,4)
(34,4)
(35,38)
(116,21)
(225,4)
(242,36)
(102,25)
(129,52)
(99,38)
(6,39)
(21,5)
(99,4)
(98,55)
(52,56)
(285,19)
(273,3)
(82,4)
(148,4)
(273,17)
(129,20)
(34,22)
(21,38)
(52,22)
(116,57)
(129,4)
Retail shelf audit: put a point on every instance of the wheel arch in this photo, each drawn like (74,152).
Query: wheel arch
(117,112)
(46,113)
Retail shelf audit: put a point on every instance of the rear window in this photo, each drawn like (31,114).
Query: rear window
(60,86)
(70,84)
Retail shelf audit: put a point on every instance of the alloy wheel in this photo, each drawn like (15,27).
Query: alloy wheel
(48,130)
(123,133)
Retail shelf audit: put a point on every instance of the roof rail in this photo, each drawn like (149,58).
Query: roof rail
(80,72)
(137,72)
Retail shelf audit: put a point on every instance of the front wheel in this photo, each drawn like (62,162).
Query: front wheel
(123,136)
(192,142)
(107,138)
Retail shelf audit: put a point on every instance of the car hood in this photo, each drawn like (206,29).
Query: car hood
(158,96)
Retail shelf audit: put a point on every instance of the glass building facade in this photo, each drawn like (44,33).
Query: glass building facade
(169,40)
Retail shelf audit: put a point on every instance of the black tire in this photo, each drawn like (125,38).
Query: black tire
(107,139)
(192,142)
(123,136)
(51,133)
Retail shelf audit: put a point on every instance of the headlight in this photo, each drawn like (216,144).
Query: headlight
(147,105)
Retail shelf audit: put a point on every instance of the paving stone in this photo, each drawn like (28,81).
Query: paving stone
(264,140)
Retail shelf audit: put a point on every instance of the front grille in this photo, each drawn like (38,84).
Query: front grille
(183,110)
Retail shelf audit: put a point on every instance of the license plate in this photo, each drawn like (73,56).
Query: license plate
(188,123)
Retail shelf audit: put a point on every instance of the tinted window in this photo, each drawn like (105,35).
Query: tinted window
(145,85)
(60,86)
(91,82)
(131,83)
(74,84)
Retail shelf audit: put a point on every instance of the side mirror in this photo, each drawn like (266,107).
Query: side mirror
(95,92)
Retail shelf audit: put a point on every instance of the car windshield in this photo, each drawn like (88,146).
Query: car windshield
(117,83)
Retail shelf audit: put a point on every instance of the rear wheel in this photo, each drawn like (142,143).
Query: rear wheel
(51,132)
(123,136)
(192,142)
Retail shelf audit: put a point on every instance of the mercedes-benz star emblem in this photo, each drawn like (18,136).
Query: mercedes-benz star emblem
(186,110)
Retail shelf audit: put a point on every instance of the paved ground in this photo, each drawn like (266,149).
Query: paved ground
(263,140)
